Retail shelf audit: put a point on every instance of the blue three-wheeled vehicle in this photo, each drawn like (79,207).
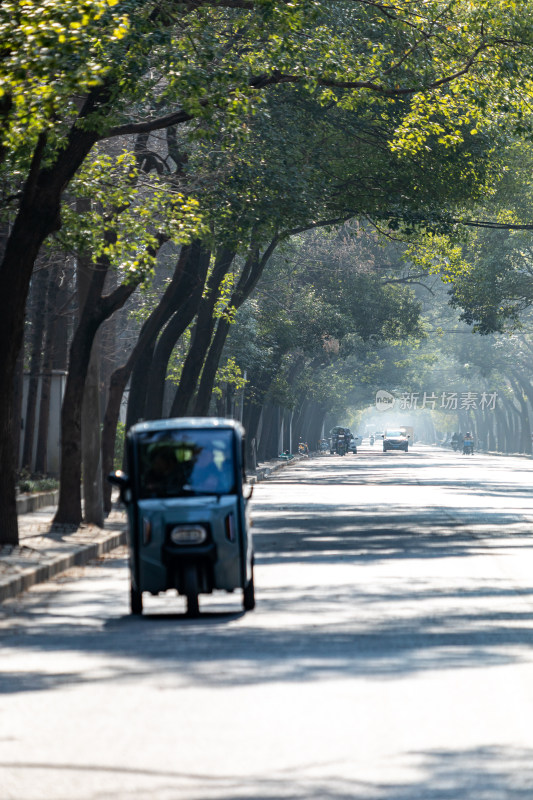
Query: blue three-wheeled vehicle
(188,518)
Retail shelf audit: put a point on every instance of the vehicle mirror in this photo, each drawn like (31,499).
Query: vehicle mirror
(122,481)
(118,478)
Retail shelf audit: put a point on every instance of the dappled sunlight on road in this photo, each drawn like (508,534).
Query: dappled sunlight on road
(390,656)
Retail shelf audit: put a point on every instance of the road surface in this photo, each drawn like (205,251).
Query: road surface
(390,656)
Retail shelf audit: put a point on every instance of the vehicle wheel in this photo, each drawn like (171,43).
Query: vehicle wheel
(248,594)
(191,591)
(136,601)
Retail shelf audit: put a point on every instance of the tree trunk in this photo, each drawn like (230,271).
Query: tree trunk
(108,350)
(501,430)
(313,425)
(90,445)
(121,375)
(268,445)
(175,328)
(30,229)
(492,434)
(207,382)
(17,406)
(117,384)
(251,420)
(201,337)
(38,307)
(38,216)
(527,388)
(251,274)
(46,378)
(95,310)
(524,433)
(190,280)
(65,321)
(138,385)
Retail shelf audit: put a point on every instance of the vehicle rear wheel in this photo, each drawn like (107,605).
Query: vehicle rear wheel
(248,595)
(191,591)
(136,601)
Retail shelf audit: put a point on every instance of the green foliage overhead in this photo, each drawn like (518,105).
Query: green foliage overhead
(452,66)
(325,303)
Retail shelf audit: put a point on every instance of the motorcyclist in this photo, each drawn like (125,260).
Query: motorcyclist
(303,448)
(337,437)
(456,438)
(468,443)
(347,439)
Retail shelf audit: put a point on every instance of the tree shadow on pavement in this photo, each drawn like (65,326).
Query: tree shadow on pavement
(307,625)
(483,773)
(320,633)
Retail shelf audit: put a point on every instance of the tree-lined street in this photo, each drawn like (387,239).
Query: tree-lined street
(241,204)
(389,655)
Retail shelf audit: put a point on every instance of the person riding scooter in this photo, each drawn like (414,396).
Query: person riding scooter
(339,443)
(468,444)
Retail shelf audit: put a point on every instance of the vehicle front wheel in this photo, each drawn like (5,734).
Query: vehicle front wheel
(191,591)
(136,601)
(248,595)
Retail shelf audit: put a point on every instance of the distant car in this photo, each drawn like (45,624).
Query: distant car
(395,439)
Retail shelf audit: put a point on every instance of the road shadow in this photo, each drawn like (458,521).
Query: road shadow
(322,632)
(482,773)
(305,628)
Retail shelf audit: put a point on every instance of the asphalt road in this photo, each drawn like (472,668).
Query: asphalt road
(389,656)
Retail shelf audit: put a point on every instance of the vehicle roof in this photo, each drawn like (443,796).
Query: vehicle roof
(187,423)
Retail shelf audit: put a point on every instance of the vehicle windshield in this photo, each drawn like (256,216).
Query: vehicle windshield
(395,433)
(174,463)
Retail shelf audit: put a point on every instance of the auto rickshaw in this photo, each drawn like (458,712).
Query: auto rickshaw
(188,518)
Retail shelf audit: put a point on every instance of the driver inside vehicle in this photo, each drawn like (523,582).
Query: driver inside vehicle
(163,472)
(212,470)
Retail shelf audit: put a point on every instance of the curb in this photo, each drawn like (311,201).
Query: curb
(51,565)
(264,472)
(488,452)
(26,503)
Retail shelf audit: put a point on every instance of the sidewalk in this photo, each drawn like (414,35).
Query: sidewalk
(41,553)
